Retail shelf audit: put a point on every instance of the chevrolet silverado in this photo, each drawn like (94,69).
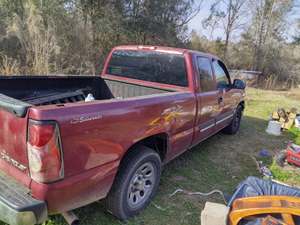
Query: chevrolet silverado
(60,151)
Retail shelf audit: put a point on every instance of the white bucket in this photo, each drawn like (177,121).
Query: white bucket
(274,128)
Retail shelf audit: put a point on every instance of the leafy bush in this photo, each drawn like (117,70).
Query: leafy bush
(296,135)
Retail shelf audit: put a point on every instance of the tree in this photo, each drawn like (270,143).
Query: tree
(271,53)
(297,36)
(268,25)
(78,34)
(159,21)
(37,39)
(74,36)
(226,14)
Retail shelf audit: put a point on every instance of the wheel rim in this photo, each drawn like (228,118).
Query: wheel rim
(141,185)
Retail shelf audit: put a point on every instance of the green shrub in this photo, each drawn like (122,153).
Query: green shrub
(279,173)
(295,135)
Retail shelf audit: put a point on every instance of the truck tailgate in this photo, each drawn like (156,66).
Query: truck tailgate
(13,154)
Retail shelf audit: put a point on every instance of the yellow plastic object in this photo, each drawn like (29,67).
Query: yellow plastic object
(254,206)
(275,115)
(291,119)
(285,117)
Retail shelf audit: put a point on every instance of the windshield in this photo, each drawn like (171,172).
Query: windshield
(151,66)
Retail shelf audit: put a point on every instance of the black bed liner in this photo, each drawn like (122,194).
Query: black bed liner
(18,93)
(15,106)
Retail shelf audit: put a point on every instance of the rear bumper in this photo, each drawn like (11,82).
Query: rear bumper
(17,207)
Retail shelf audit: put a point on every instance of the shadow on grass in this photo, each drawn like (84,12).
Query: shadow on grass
(220,162)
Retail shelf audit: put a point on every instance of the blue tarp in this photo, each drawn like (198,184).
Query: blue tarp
(254,186)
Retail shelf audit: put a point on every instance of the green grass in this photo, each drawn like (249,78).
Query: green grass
(220,162)
(289,174)
(280,174)
(295,132)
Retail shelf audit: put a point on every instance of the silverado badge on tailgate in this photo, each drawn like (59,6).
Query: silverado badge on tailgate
(12,161)
(83,119)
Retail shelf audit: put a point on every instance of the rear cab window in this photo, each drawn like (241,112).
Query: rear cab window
(152,66)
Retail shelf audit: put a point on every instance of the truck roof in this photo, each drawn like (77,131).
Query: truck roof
(164,49)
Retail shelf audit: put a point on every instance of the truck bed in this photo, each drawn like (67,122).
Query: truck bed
(18,93)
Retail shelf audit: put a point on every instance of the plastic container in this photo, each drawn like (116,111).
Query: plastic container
(90,98)
(274,128)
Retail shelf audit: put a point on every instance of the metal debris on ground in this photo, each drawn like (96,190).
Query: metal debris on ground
(280,158)
(293,154)
(285,117)
(282,119)
(290,155)
(216,191)
(158,207)
(264,170)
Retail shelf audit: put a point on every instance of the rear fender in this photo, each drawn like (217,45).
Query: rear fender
(145,141)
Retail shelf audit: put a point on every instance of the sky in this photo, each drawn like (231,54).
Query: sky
(196,22)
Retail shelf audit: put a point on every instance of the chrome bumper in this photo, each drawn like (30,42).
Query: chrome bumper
(17,207)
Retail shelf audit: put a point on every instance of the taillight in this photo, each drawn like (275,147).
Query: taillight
(44,151)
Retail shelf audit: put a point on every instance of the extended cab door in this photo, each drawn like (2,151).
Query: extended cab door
(207,99)
(226,100)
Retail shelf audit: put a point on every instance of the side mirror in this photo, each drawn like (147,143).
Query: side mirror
(239,84)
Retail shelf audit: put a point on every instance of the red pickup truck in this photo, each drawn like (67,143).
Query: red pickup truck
(67,141)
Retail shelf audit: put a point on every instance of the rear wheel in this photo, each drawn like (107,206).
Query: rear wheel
(234,126)
(135,184)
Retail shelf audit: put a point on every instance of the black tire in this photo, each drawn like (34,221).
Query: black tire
(120,200)
(234,126)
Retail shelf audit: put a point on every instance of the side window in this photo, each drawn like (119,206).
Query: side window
(221,76)
(207,82)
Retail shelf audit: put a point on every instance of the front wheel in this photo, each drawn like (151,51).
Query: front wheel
(234,126)
(135,184)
